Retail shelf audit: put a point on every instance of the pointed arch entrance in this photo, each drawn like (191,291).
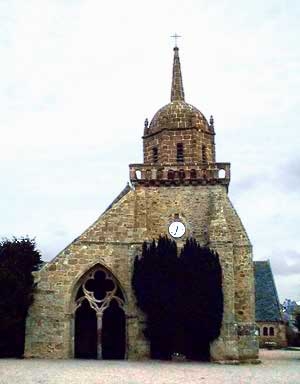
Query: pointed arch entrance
(100,321)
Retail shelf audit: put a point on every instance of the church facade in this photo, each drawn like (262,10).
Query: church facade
(84,305)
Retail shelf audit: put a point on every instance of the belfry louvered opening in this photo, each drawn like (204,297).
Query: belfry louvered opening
(155,154)
(180,154)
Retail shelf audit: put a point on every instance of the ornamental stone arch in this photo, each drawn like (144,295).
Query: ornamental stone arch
(98,308)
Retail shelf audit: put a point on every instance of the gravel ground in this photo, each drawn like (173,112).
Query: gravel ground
(277,367)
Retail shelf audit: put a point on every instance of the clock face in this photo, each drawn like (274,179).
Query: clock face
(177,229)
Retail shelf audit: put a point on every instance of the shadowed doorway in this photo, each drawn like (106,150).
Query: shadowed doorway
(85,332)
(100,322)
(113,334)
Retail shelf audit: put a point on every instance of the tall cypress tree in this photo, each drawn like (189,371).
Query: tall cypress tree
(156,291)
(18,258)
(182,297)
(201,303)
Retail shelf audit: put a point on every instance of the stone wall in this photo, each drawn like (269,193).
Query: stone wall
(198,146)
(272,339)
(115,239)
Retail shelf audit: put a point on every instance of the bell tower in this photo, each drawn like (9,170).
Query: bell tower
(179,144)
(181,181)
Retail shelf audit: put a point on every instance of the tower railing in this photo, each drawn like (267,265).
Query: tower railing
(167,174)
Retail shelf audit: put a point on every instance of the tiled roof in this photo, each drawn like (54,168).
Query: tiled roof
(266,299)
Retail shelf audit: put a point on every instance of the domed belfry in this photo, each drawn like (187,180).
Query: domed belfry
(84,305)
(179,133)
(179,144)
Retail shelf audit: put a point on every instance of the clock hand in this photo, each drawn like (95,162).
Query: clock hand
(176,230)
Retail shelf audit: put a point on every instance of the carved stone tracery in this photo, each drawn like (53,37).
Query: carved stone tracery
(98,304)
(99,288)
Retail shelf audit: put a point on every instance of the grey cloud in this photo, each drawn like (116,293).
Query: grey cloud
(247,183)
(285,262)
(286,176)
(289,175)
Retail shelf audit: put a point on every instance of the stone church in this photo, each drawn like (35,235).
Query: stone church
(84,305)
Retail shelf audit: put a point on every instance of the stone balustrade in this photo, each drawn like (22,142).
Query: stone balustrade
(167,174)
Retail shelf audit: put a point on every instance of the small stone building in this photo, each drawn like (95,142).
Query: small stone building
(271,327)
(84,305)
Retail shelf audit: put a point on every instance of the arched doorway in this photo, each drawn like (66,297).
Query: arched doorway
(113,335)
(100,324)
(85,331)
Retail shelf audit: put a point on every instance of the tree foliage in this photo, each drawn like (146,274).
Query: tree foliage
(202,298)
(181,296)
(297,321)
(18,258)
(155,288)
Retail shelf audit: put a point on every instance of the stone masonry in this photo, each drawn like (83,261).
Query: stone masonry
(175,183)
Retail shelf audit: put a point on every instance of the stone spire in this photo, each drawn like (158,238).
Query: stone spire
(177,92)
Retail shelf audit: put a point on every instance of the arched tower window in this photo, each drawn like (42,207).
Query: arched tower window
(271,331)
(171,174)
(180,154)
(204,156)
(181,174)
(265,331)
(193,174)
(155,154)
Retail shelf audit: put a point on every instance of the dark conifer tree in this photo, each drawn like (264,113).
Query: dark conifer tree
(201,302)
(155,286)
(182,297)
(18,258)
(297,321)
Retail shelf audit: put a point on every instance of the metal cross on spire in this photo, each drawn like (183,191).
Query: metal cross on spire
(175,37)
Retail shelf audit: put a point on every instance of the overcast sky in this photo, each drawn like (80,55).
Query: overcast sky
(79,77)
